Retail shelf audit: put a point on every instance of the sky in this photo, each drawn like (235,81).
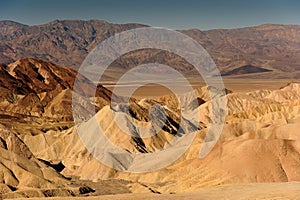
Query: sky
(173,14)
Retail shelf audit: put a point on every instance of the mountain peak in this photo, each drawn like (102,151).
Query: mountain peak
(11,23)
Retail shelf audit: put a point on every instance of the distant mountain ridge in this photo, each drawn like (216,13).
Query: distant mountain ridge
(67,42)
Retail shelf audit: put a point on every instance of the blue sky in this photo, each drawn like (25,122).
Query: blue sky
(174,14)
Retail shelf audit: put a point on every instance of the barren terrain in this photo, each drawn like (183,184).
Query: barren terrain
(257,191)
(257,154)
(50,115)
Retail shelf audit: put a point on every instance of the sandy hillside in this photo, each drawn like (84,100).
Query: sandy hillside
(42,154)
(256,191)
(259,143)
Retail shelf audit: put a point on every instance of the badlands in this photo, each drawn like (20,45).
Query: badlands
(257,155)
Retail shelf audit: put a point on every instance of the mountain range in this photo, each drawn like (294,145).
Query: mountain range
(273,50)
